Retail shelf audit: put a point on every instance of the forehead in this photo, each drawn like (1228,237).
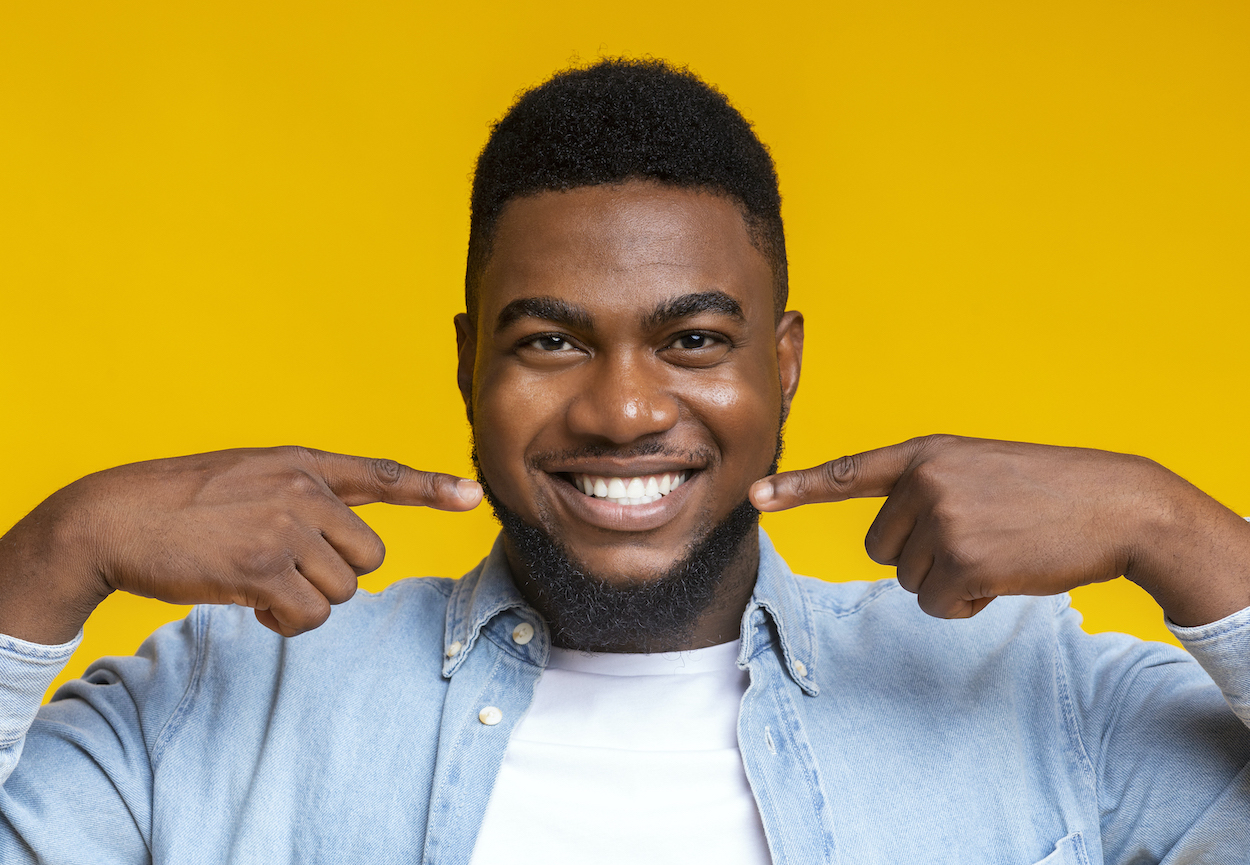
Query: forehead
(624,246)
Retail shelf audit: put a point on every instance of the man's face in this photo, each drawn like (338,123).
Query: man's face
(626,344)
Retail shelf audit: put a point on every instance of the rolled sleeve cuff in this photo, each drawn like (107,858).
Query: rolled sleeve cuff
(1223,650)
(26,671)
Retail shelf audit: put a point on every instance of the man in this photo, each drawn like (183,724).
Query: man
(633,673)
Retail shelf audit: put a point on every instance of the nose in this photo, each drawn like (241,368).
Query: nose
(622,400)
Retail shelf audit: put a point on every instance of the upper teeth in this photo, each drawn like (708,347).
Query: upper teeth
(641,490)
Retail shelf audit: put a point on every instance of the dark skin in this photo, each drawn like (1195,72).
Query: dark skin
(642,364)
(618,318)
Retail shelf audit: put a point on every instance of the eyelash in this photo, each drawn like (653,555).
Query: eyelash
(711,351)
(711,340)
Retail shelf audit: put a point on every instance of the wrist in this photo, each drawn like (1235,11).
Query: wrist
(1193,556)
(49,581)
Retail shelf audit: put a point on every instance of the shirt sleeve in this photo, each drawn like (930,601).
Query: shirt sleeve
(81,791)
(1171,762)
(1223,650)
(26,671)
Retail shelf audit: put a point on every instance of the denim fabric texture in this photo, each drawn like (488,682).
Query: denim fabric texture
(870,733)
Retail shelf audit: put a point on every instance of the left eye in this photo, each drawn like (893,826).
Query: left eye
(692,341)
(550,342)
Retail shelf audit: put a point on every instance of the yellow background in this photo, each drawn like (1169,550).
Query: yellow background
(229,224)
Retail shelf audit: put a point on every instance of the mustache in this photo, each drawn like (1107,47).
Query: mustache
(703,456)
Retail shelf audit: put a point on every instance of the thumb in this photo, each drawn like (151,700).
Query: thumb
(864,475)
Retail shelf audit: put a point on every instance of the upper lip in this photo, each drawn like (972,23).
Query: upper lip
(631,468)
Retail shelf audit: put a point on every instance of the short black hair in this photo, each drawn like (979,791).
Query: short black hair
(626,119)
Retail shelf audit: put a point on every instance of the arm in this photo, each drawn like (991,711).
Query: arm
(967,520)
(270,529)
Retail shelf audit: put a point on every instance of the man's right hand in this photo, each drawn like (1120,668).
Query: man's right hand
(270,529)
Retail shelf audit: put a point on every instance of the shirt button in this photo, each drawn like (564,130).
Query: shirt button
(801,669)
(454,649)
(522,633)
(490,716)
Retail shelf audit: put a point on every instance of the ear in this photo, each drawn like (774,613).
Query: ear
(466,353)
(789,356)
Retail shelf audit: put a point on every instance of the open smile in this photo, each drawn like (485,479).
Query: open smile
(615,498)
(637,490)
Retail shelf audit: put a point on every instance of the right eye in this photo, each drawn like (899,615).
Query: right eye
(550,342)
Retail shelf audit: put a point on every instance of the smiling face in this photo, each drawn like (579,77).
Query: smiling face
(627,374)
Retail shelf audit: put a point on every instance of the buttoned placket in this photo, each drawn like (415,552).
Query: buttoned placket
(496,648)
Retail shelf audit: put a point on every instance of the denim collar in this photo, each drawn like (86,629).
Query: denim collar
(778,605)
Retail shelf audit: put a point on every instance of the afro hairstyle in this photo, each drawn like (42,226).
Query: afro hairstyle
(619,120)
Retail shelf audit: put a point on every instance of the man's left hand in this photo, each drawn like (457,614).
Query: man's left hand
(967,520)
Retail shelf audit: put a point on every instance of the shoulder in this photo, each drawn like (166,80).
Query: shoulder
(1035,636)
(411,606)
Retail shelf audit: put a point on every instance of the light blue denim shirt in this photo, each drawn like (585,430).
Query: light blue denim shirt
(870,733)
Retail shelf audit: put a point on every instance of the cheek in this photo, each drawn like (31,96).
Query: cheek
(510,412)
(743,416)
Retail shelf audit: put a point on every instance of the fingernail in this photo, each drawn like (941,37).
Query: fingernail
(469,491)
(764,492)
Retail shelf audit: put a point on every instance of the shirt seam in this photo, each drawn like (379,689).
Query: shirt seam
(880,587)
(199,623)
(1066,701)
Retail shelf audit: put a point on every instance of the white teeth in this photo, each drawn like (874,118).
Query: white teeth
(640,490)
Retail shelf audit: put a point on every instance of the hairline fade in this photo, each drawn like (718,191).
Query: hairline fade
(621,120)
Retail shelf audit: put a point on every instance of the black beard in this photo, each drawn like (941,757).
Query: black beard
(590,614)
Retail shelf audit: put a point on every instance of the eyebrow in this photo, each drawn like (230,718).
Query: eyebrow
(558,311)
(691,304)
(548,309)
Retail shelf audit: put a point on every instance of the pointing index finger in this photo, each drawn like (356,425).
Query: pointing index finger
(364,480)
(863,475)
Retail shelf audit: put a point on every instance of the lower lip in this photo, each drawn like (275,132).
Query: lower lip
(604,514)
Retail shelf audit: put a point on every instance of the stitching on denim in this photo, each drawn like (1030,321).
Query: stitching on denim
(1064,690)
(878,589)
(788,715)
(199,620)
(456,754)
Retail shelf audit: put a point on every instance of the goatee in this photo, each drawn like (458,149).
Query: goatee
(589,613)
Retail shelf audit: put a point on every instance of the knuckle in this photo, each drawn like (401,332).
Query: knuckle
(838,473)
(306,610)
(267,560)
(373,552)
(908,579)
(295,453)
(385,472)
(927,475)
(935,440)
(964,557)
(875,548)
(939,606)
(302,484)
(343,590)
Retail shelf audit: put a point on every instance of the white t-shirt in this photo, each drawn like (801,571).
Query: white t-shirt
(627,759)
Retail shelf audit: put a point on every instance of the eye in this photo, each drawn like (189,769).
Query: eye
(697,348)
(550,342)
(693,341)
(696,341)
